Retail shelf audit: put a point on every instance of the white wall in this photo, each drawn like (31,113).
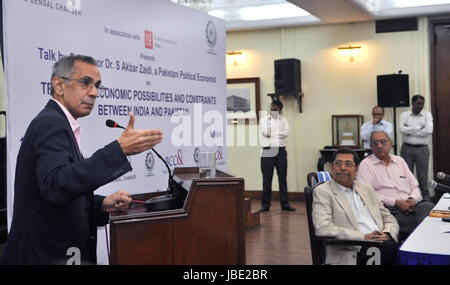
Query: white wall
(331,84)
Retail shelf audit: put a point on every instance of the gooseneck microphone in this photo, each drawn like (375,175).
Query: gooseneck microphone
(434,185)
(159,203)
(112,124)
(443,176)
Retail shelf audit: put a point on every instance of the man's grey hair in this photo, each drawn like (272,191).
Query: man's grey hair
(64,67)
(379,131)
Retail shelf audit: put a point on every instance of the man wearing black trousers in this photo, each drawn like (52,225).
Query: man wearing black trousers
(274,129)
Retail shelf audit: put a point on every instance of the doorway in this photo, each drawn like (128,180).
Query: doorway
(440,92)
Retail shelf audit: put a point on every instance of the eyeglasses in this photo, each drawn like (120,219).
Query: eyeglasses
(377,114)
(382,141)
(347,163)
(86,83)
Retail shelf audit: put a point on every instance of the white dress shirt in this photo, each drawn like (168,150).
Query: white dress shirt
(369,127)
(274,131)
(364,219)
(418,129)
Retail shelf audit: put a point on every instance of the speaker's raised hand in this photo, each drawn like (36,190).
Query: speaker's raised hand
(134,141)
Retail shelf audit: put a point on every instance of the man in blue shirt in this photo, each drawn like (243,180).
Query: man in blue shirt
(377,124)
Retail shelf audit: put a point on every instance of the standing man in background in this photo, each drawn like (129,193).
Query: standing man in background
(274,130)
(417,127)
(377,124)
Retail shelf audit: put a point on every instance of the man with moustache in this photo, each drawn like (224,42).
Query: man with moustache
(55,210)
(416,126)
(394,184)
(377,123)
(348,209)
(274,131)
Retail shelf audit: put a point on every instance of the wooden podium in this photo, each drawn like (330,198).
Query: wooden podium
(207,230)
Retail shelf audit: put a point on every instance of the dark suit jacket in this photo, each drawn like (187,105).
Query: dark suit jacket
(54,205)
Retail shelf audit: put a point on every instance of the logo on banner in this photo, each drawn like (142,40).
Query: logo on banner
(148,39)
(149,163)
(196,154)
(211,34)
(219,156)
(175,160)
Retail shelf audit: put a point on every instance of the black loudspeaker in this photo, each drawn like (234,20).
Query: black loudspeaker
(396,25)
(393,90)
(287,76)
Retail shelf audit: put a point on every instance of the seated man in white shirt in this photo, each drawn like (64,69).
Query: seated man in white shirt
(347,209)
(377,124)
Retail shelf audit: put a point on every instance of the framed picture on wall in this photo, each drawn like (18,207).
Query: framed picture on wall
(346,130)
(243,100)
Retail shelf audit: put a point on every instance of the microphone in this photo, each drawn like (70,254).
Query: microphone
(159,203)
(443,176)
(112,124)
(438,186)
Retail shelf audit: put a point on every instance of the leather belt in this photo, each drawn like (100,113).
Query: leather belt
(415,145)
(279,147)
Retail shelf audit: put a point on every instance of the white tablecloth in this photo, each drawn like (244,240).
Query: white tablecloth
(431,237)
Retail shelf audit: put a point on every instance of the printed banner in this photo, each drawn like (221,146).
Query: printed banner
(159,60)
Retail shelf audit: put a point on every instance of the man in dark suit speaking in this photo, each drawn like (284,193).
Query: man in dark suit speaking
(55,211)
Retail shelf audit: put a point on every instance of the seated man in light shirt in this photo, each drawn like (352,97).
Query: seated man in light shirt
(377,124)
(394,184)
(348,209)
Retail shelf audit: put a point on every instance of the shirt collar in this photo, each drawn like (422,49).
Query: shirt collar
(343,188)
(73,123)
(280,117)
(376,160)
(418,115)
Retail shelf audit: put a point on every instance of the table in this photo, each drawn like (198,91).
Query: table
(326,155)
(429,243)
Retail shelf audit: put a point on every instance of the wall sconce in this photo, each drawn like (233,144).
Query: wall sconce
(235,55)
(350,51)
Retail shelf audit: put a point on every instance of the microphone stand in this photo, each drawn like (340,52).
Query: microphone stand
(395,131)
(163,202)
